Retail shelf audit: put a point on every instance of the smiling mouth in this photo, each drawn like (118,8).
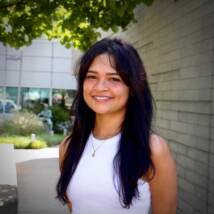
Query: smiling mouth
(101,98)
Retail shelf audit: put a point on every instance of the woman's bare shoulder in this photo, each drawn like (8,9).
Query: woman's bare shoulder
(158,145)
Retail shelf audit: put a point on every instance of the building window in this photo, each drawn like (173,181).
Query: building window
(63,96)
(31,96)
(12,93)
(1,93)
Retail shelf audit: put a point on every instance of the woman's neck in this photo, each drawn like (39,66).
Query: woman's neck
(107,126)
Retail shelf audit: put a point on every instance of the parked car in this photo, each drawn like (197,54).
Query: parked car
(8,108)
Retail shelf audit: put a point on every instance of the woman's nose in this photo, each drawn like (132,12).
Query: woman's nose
(101,85)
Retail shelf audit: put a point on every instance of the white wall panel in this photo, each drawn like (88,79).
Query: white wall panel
(64,81)
(13,51)
(12,78)
(36,64)
(2,48)
(38,48)
(61,65)
(13,65)
(2,62)
(39,79)
(2,73)
(61,51)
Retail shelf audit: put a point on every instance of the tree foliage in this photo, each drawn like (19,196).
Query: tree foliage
(72,22)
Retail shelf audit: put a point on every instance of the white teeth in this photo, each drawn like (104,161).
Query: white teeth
(101,98)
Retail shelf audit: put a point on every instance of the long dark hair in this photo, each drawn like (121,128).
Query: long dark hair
(133,158)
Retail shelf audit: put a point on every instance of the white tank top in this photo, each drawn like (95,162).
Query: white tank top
(91,189)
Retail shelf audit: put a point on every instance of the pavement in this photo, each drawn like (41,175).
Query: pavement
(8,199)
(37,174)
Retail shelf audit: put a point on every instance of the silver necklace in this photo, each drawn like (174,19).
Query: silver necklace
(95,149)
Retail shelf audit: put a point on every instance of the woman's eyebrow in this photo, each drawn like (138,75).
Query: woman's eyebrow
(109,73)
(90,71)
(114,74)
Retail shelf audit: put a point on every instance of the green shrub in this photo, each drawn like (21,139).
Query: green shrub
(34,107)
(22,142)
(23,123)
(51,140)
(37,144)
(60,114)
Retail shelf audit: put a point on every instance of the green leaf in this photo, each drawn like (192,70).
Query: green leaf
(70,21)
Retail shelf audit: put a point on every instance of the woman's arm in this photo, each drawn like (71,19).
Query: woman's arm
(164,184)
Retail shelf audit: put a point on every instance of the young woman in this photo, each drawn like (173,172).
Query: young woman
(113,162)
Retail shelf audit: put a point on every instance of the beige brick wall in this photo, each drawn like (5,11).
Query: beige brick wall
(176,41)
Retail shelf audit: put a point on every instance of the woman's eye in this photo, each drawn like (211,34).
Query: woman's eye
(115,79)
(90,77)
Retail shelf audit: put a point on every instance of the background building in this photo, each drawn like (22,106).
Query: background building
(40,72)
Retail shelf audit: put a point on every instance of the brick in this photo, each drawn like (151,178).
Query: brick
(208,57)
(163,123)
(178,148)
(191,129)
(207,45)
(198,155)
(198,204)
(208,19)
(194,142)
(189,95)
(178,126)
(211,186)
(196,179)
(198,131)
(193,83)
(198,119)
(186,185)
(180,170)
(190,164)
(169,115)
(170,56)
(191,5)
(212,146)
(211,199)
(184,207)
(211,173)
(190,50)
(197,107)
(168,134)
(190,72)
(200,193)
(211,160)
(207,69)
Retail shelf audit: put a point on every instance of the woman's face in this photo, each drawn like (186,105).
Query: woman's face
(103,89)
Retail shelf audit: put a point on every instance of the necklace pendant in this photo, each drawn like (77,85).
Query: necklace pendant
(93,154)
